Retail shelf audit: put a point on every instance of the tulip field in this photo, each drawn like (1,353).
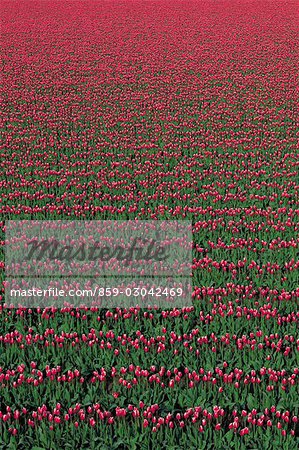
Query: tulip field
(156,110)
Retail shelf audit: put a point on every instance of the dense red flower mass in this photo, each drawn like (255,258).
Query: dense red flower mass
(157,109)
